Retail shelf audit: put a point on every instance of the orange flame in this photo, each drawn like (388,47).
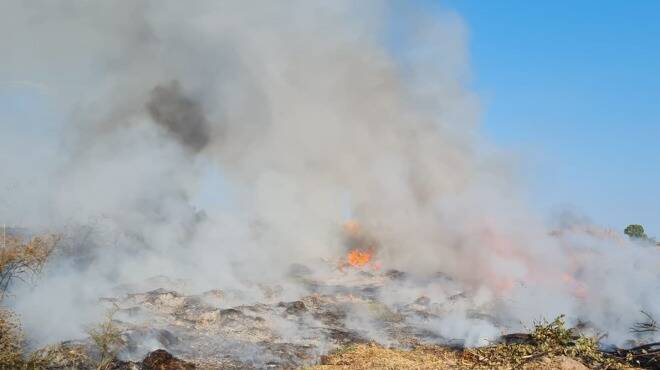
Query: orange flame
(358,258)
(362,247)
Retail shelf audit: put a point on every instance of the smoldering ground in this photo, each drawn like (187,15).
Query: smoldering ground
(312,114)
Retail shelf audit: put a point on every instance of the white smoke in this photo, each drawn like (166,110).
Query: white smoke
(311,113)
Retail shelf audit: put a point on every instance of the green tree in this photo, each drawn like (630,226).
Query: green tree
(635,232)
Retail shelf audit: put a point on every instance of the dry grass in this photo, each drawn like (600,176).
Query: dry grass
(11,341)
(61,356)
(548,346)
(372,356)
(12,345)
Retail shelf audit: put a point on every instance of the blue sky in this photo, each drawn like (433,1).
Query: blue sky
(574,87)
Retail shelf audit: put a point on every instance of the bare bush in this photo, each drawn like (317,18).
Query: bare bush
(23,260)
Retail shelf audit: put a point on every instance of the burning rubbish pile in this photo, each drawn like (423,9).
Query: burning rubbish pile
(204,157)
(342,318)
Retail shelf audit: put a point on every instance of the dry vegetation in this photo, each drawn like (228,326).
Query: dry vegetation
(11,341)
(12,355)
(108,340)
(18,261)
(548,346)
(546,340)
(22,260)
(372,356)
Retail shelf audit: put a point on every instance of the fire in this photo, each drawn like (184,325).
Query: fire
(358,258)
(361,246)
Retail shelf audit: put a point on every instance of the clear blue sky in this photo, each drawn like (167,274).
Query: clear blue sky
(574,86)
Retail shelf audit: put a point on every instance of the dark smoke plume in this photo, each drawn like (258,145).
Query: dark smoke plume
(180,115)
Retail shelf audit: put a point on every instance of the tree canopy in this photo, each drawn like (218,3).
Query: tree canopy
(635,231)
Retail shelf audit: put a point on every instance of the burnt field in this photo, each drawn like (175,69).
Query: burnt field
(348,313)
(246,184)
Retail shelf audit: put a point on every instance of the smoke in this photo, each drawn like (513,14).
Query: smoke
(179,115)
(311,114)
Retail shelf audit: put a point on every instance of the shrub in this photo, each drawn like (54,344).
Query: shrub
(547,339)
(109,340)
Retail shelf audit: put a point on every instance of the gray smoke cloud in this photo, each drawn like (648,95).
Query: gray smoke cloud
(312,114)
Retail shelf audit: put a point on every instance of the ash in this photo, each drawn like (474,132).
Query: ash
(225,329)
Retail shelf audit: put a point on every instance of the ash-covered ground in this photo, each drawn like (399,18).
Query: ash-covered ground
(223,329)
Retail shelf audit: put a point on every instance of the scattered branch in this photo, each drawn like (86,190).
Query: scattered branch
(647,326)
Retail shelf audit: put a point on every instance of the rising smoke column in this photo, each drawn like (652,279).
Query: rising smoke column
(313,114)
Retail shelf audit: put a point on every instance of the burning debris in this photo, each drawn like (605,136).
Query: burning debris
(361,247)
(358,258)
(225,144)
(343,317)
